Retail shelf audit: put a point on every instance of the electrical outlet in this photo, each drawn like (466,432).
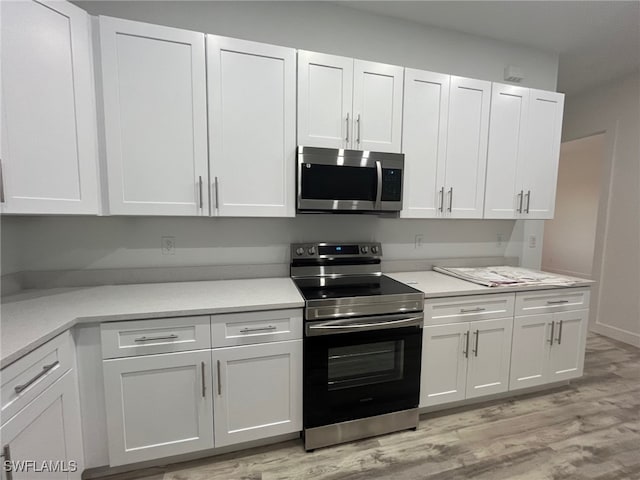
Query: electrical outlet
(499,239)
(168,245)
(418,241)
(533,241)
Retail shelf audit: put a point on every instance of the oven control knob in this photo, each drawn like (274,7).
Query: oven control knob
(299,251)
(374,249)
(364,249)
(311,251)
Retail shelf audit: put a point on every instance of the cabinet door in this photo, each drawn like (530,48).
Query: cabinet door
(158,405)
(48,430)
(325,89)
(252,127)
(377,106)
(566,359)
(507,130)
(530,351)
(258,391)
(541,154)
(49,144)
(489,357)
(467,136)
(424,138)
(155,121)
(444,364)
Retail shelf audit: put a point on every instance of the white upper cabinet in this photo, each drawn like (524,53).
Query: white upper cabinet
(347,103)
(542,152)
(467,136)
(524,147)
(325,99)
(49,147)
(509,110)
(252,128)
(424,138)
(377,106)
(155,119)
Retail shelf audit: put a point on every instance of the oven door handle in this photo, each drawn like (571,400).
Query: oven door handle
(362,324)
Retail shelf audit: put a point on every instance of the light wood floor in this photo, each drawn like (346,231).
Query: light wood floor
(587,430)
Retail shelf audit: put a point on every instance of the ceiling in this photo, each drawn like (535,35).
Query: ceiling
(597,41)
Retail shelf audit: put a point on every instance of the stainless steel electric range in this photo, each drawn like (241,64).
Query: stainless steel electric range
(362,343)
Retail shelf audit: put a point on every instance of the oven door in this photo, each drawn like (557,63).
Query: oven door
(359,368)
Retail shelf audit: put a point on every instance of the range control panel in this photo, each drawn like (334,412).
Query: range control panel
(335,250)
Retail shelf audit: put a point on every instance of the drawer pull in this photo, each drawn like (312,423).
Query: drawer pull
(556,302)
(46,369)
(173,336)
(469,310)
(258,329)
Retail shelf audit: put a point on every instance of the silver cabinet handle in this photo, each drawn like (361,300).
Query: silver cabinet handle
(358,135)
(441,207)
(46,369)
(450,198)
(528,201)
(200,191)
(559,339)
(475,352)
(216,187)
(173,336)
(521,196)
(346,139)
(1,184)
(204,388)
(378,205)
(6,455)
(468,310)
(219,379)
(466,348)
(556,302)
(553,325)
(258,329)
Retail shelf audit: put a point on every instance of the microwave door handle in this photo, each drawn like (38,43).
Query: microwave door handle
(378,205)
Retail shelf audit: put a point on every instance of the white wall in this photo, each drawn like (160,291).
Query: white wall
(41,243)
(569,239)
(614,109)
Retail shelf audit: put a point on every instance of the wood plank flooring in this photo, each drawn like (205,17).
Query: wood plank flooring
(587,430)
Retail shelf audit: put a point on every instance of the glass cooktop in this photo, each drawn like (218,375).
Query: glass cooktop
(365,286)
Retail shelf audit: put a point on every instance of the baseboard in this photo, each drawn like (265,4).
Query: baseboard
(619,334)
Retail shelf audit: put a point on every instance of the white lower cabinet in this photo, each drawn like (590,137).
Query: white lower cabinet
(158,405)
(465,360)
(547,348)
(258,391)
(47,432)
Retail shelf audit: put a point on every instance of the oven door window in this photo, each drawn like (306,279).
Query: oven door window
(366,364)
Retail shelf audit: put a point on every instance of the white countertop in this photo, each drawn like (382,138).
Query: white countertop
(435,285)
(31,318)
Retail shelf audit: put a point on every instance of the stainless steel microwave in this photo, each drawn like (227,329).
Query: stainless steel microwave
(339,180)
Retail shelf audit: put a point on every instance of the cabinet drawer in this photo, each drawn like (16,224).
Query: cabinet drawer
(439,311)
(557,300)
(161,335)
(25,379)
(255,327)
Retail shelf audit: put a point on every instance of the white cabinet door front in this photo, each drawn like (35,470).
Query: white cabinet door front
(154,89)
(252,127)
(325,89)
(444,364)
(542,151)
(467,136)
(158,405)
(530,351)
(504,196)
(424,138)
(258,391)
(566,359)
(49,141)
(377,106)
(489,357)
(48,430)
